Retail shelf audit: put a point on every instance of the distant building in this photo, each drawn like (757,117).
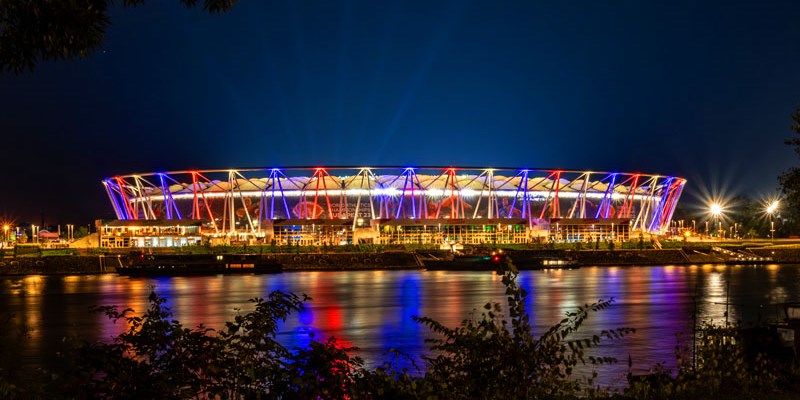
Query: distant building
(150,233)
(51,240)
(318,206)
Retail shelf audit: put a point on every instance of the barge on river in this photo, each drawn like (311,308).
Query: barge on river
(496,261)
(142,264)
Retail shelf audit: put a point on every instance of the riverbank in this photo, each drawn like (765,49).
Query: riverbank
(100,264)
(413,259)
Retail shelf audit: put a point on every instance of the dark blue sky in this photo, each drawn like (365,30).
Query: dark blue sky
(702,90)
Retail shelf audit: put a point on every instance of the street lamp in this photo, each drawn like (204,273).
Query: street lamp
(5,235)
(716,210)
(771,208)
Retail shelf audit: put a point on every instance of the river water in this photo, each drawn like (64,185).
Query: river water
(373,309)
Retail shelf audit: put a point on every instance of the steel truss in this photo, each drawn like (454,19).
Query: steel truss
(249,200)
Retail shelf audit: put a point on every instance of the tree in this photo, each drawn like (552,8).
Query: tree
(80,231)
(790,179)
(498,356)
(749,215)
(39,30)
(721,369)
(159,358)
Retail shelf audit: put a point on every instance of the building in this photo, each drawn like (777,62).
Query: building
(150,233)
(337,205)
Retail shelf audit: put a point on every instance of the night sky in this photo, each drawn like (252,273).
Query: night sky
(702,90)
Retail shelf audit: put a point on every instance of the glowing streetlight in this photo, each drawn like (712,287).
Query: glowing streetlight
(771,208)
(716,210)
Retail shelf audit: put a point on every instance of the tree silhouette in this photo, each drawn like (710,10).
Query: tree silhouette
(790,179)
(39,30)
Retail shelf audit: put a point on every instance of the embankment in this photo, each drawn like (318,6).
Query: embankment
(630,257)
(78,265)
(388,260)
(348,261)
(58,265)
(781,255)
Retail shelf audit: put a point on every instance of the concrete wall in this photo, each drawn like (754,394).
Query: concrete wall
(56,265)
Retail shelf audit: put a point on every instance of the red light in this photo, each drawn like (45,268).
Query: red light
(496,258)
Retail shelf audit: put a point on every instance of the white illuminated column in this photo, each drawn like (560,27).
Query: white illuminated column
(771,208)
(716,210)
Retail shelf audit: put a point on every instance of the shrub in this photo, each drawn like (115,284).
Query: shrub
(158,358)
(498,356)
(720,369)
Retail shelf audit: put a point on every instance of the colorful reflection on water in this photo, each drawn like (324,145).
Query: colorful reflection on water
(373,309)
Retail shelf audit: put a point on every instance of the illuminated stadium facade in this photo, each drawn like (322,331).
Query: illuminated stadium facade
(316,205)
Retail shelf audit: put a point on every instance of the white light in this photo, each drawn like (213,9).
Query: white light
(772,207)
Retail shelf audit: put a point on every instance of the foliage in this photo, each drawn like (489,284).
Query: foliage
(749,216)
(80,232)
(325,370)
(722,370)
(493,356)
(8,389)
(673,244)
(31,250)
(36,30)
(59,252)
(498,356)
(158,358)
(790,179)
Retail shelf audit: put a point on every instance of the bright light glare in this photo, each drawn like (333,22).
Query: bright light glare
(772,207)
(716,209)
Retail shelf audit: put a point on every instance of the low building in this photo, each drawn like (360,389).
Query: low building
(589,229)
(150,233)
(304,232)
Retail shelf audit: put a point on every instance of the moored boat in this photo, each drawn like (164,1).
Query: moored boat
(142,264)
(496,261)
(459,262)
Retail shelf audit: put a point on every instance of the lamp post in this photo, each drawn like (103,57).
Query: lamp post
(613,235)
(771,208)
(5,235)
(716,210)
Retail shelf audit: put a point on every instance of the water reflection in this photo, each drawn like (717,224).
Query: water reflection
(373,309)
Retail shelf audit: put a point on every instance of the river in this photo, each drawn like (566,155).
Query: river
(373,309)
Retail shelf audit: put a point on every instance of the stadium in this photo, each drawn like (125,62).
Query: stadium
(349,205)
